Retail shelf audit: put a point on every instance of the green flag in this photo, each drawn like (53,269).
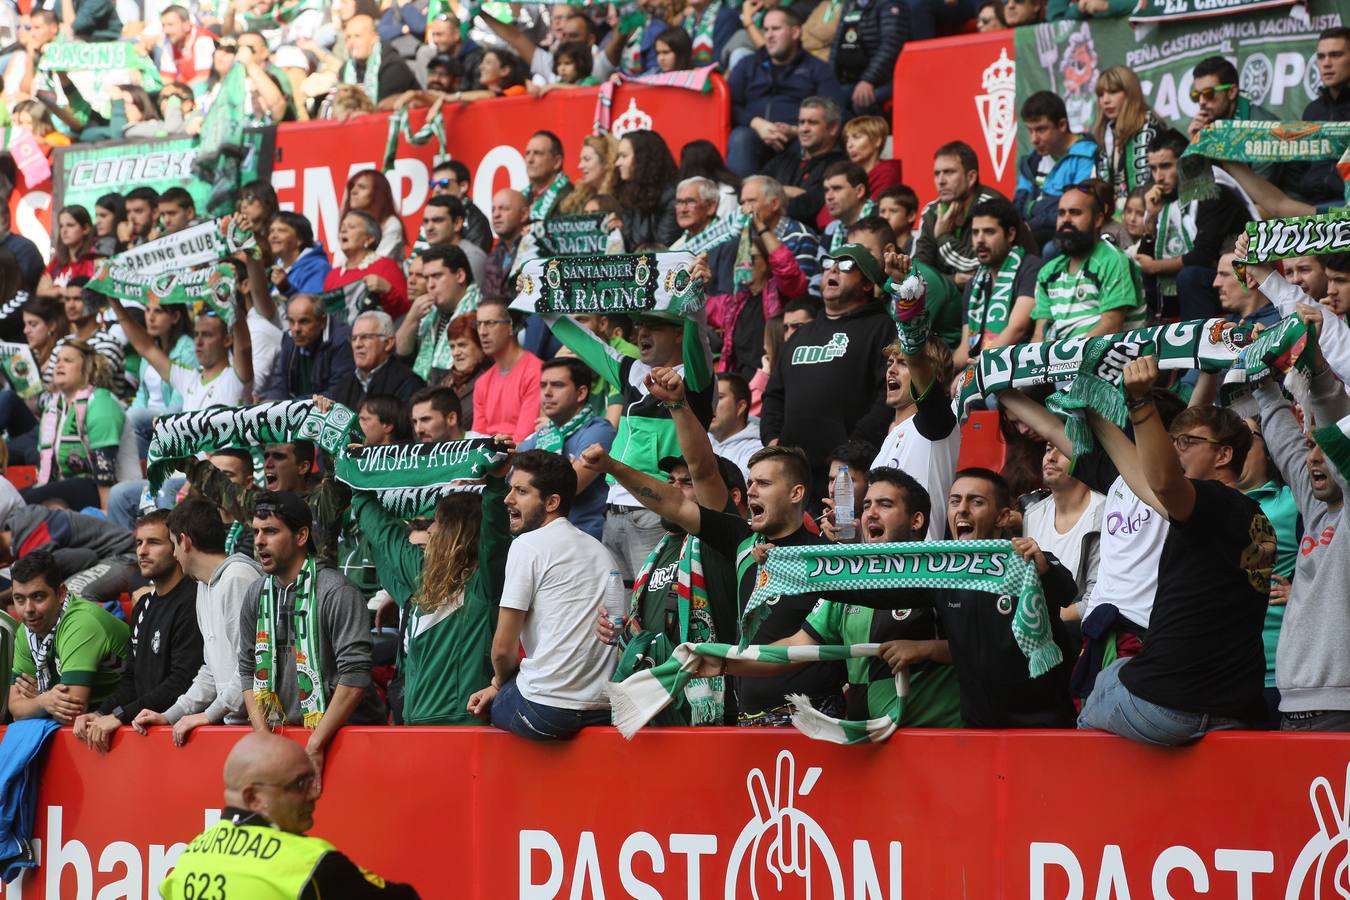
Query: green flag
(220,147)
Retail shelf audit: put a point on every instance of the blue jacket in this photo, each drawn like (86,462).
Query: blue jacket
(307,273)
(20,770)
(882,31)
(1040,205)
(760,88)
(332,363)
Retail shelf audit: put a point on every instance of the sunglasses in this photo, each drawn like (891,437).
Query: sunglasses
(441,182)
(1209,92)
(843,264)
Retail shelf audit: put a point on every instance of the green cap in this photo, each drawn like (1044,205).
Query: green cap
(867,263)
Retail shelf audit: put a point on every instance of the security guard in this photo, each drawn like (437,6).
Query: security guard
(259,849)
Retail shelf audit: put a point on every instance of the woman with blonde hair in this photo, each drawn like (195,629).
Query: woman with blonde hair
(864,140)
(596,165)
(1125,124)
(449,590)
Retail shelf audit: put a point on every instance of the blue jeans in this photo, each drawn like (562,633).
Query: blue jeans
(1111,707)
(745,151)
(124,500)
(512,712)
(141,420)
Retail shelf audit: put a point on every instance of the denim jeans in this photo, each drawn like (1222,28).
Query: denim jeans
(1319,720)
(631,534)
(124,500)
(141,421)
(1111,707)
(745,151)
(512,712)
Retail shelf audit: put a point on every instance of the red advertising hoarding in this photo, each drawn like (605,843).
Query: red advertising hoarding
(957,89)
(726,813)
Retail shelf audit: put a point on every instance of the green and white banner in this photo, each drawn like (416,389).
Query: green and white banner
(1178,10)
(403,466)
(570,235)
(195,245)
(1275,53)
(1302,236)
(100,56)
(634,283)
(214,285)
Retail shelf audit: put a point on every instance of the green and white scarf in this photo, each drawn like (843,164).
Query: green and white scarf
(371,82)
(542,205)
(1279,348)
(205,242)
(184,435)
(837,239)
(1242,140)
(1131,170)
(630,60)
(1334,439)
(1301,236)
(308,668)
(214,286)
(639,283)
(398,124)
(392,466)
(570,235)
(699,27)
(43,650)
(720,231)
(991,298)
(420,503)
(551,438)
(1176,225)
(433,345)
(345,303)
(639,698)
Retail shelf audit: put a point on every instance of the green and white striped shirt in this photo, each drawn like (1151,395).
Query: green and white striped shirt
(1071,303)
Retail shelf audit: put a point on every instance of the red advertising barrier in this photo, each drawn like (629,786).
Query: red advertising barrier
(958,88)
(728,813)
(315,159)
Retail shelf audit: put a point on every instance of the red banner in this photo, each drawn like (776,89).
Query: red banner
(729,814)
(315,159)
(957,89)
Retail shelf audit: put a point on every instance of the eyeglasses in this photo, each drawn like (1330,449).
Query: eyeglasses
(1187,441)
(488,323)
(1209,92)
(844,264)
(302,785)
(441,182)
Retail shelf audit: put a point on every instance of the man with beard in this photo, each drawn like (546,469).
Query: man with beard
(556,577)
(1187,236)
(302,619)
(435,415)
(777,494)
(1092,287)
(166,643)
(999,299)
(895,509)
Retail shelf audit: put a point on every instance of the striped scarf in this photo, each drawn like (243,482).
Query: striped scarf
(837,240)
(551,438)
(398,124)
(308,667)
(44,660)
(370,82)
(542,205)
(699,27)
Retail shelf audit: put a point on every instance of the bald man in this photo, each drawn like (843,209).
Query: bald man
(377,68)
(258,848)
(510,212)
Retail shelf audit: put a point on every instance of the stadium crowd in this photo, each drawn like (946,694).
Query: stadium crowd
(1191,561)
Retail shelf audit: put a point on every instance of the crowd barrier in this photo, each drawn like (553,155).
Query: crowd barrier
(726,813)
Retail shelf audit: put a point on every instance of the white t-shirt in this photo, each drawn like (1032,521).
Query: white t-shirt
(1067,547)
(1133,534)
(224,390)
(931,463)
(560,576)
(266,338)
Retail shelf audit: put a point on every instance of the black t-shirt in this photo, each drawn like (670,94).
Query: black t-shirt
(1204,652)
(725,533)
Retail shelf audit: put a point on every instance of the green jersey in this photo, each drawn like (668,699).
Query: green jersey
(934,699)
(90,645)
(1071,303)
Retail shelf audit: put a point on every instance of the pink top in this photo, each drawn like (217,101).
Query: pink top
(508,403)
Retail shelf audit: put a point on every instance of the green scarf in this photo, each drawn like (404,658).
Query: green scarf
(720,231)
(639,698)
(837,239)
(100,56)
(308,669)
(468,303)
(1132,169)
(551,438)
(639,283)
(1174,239)
(570,235)
(398,124)
(416,465)
(214,286)
(699,27)
(205,242)
(743,270)
(371,82)
(1300,236)
(420,503)
(991,298)
(184,435)
(1278,348)
(1334,439)
(344,304)
(1241,140)
(20,369)
(542,205)
(630,60)
(433,345)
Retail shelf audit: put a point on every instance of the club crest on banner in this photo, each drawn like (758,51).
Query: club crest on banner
(633,119)
(997,108)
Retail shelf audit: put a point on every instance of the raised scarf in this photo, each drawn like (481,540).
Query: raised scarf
(420,503)
(991,298)
(543,204)
(1246,141)
(308,670)
(205,242)
(630,60)
(570,235)
(21,369)
(398,124)
(184,435)
(344,304)
(1299,236)
(52,433)
(1279,348)
(699,27)
(552,437)
(41,650)
(213,285)
(1333,438)
(370,82)
(621,283)
(720,231)
(391,466)
(837,239)
(100,56)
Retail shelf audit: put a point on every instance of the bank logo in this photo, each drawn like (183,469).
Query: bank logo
(633,119)
(1322,870)
(821,353)
(782,845)
(997,109)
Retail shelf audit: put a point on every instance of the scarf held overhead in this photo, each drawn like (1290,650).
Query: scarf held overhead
(1245,141)
(394,466)
(214,286)
(625,283)
(1300,236)
(206,242)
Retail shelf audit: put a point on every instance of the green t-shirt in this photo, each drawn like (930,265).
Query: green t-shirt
(9,629)
(103,421)
(91,644)
(1071,303)
(1277,502)
(934,699)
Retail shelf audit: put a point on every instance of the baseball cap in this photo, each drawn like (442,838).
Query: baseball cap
(288,506)
(867,263)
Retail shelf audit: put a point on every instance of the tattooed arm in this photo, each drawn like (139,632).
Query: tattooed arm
(666,500)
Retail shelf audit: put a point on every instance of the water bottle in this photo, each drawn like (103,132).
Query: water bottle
(616,603)
(843,504)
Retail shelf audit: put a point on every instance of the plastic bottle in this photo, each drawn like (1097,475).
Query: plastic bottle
(843,504)
(616,601)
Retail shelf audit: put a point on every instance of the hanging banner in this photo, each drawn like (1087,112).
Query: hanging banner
(570,235)
(1274,51)
(1178,10)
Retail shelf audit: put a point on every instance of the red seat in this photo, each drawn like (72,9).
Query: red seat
(22,476)
(981,442)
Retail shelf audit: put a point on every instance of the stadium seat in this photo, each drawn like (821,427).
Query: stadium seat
(21,476)
(981,442)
